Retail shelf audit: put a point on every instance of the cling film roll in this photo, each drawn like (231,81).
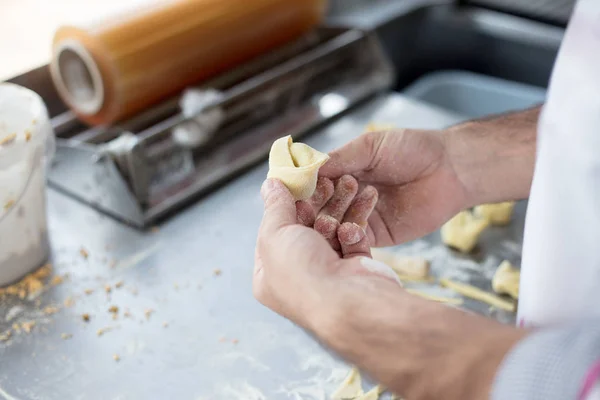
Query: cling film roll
(114,69)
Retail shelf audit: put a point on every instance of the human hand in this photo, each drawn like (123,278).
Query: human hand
(417,348)
(418,187)
(339,211)
(294,263)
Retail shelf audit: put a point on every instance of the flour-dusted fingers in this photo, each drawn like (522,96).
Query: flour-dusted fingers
(328,226)
(362,206)
(322,195)
(353,240)
(344,192)
(307,210)
(305,213)
(329,218)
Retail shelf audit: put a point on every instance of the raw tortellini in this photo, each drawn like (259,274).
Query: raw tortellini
(296,165)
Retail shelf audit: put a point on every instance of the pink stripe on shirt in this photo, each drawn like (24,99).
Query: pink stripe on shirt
(591,378)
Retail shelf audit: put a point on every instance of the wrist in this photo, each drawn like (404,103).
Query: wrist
(494,158)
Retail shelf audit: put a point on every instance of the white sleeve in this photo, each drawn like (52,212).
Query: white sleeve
(561,363)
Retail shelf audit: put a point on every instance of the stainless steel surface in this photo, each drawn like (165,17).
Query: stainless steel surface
(172,272)
(341,68)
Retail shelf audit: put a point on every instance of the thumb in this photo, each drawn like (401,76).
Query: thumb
(280,206)
(357,156)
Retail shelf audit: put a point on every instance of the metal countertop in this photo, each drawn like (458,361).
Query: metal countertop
(219,343)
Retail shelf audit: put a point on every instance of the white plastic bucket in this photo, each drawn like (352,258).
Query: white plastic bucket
(26,147)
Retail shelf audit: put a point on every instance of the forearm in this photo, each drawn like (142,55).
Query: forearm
(431,351)
(494,157)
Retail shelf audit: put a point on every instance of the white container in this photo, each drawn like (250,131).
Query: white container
(26,146)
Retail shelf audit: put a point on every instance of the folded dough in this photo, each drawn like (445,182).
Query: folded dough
(413,267)
(296,165)
(506,280)
(497,214)
(463,230)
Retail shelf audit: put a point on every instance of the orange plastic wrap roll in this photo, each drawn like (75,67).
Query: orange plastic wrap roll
(118,68)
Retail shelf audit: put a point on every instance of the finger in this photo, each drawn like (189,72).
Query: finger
(328,226)
(353,240)
(322,194)
(305,213)
(280,207)
(345,189)
(362,206)
(357,156)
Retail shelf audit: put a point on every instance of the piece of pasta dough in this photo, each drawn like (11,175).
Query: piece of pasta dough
(506,280)
(498,214)
(463,230)
(446,300)
(405,266)
(351,387)
(478,294)
(296,165)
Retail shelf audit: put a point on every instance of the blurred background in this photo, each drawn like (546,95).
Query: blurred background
(27,26)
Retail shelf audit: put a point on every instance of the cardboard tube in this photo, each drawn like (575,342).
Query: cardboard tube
(116,69)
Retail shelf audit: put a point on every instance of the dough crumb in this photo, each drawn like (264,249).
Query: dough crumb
(119,284)
(5,336)
(8,139)
(28,326)
(217,272)
(107,288)
(165,324)
(85,317)
(506,280)
(148,312)
(102,331)
(69,302)
(463,230)
(30,285)
(84,253)
(116,357)
(66,336)
(8,205)
(57,280)
(88,291)
(49,310)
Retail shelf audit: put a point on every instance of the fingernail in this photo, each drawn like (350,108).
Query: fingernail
(379,268)
(353,234)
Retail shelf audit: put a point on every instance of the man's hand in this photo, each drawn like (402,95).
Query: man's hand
(417,348)
(425,177)
(293,263)
(418,187)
